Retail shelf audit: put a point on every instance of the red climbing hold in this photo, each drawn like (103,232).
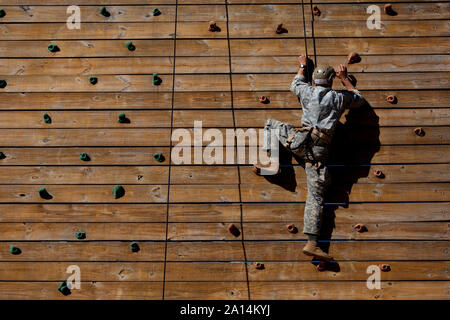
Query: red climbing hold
(316,11)
(389,10)
(378,173)
(419,131)
(360,228)
(213,26)
(353,57)
(291,228)
(385,267)
(280,29)
(264,100)
(233,230)
(259,265)
(391,99)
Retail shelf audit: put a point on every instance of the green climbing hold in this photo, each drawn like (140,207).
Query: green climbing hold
(85,157)
(118,192)
(14,250)
(53,48)
(3,83)
(64,288)
(104,12)
(47,118)
(2,13)
(156,79)
(122,118)
(44,194)
(156,12)
(80,235)
(159,157)
(93,80)
(134,246)
(130,46)
(2,155)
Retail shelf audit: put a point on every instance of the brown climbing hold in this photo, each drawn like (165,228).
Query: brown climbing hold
(264,100)
(322,266)
(280,29)
(291,228)
(385,267)
(419,131)
(378,174)
(360,228)
(233,230)
(316,11)
(353,57)
(391,99)
(389,10)
(259,265)
(213,27)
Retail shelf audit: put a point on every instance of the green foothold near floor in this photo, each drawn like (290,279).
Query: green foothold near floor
(44,194)
(47,118)
(2,13)
(104,12)
(53,48)
(118,192)
(122,118)
(63,288)
(2,155)
(159,157)
(156,12)
(93,80)
(3,83)
(156,79)
(134,246)
(85,157)
(80,235)
(14,250)
(130,46)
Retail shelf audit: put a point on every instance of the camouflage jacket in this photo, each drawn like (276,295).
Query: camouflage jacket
(322,107)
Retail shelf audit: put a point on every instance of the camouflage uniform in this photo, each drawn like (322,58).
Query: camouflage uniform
(322,107)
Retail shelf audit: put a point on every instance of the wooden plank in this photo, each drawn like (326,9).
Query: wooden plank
(204,271)
(379,63)
(202,83)
(345,271)
(86,48)
(350,250)
(202,100)
(209,118)
(85,100)
(89,14)
(202,47)
(204,212)
(410,154)
(344,231)
(70,213)
(206,290)
(90,290)
(83,193)
(71,156)
(202,175)
(204,193)
(377,99)
(202,65)
(83,251)
(85,137)
(90,271)
(296,1)
(405,192)
(84,175)
(349,174)
(94,231)
(258,29)
(106,83)
(196,30)
(201,231)
(88,2)
(337,46)
(366,212)
(366,81)
(392,290)
(85,119)
(205,251)
(395,28)
(280,13)
(386,117)
(86,66)
(104,30)
(202,13)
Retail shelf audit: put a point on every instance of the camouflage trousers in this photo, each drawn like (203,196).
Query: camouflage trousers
(317,177)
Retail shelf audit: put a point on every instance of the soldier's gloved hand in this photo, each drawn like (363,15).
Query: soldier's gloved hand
(342,72)
(303,59)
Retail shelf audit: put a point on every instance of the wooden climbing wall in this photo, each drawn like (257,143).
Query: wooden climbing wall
(179,214)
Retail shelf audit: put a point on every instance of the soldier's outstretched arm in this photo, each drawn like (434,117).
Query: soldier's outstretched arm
(353,98)
(299,84)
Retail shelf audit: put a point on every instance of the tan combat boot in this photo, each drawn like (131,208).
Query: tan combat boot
(312,249)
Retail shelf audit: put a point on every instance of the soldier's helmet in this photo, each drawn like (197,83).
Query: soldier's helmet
(324,75)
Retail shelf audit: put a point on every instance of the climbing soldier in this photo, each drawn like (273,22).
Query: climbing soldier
(322,107)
